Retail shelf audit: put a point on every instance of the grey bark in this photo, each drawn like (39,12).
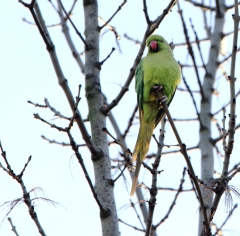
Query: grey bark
(102,165)
(207,159)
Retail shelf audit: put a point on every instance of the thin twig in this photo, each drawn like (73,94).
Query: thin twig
(198,46)
(174,200)
(131,39)
(42,31)
(214,141)
(104,212)
(194,102)
(105,130)
(114,180)
(234,173)
(99,64)
(26,195)
(218,111)
(204,7)
(191,53)
(75,28)
(13,227)
(146,12)
(227,57)
(225,221)
(56,113)
(131,226)
(37,105)
(175,190)
(130,122)
(119,8)
(135,210)
(185,120)
(192,42)
(68,37)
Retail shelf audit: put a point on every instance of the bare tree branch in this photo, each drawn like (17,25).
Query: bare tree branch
(68,37)
(191,53)
(191,170)
(75,28)
(26,195)
(13,227)
(174,200)
(119,8)
(155,172)
(232,118)
(204,7)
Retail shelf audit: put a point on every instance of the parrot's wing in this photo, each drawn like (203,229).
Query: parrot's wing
(139,87)
(161,112)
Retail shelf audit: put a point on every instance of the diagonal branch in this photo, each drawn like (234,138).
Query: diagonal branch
(174,200)
(75,28)
(130,122)
(146,12)
(131,226)
(191,53)
(104,212)
(191,170)
(99,64)
(68,37)
(194,102)
(119,8)
(198,45)
(13,227)
(159,19)
(225,221)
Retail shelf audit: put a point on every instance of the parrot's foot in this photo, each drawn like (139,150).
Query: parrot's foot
(157,87)
(158,91)
(163,99)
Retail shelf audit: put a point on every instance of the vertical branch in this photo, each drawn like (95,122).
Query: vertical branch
(155,172)
(95,99)
(232,119)
(67,35)
(207,158)
(232,116)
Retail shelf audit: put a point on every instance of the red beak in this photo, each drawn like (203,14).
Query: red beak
(154,45)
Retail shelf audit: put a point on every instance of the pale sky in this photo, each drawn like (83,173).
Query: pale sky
(26,73)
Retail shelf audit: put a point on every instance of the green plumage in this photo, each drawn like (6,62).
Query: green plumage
(158,68)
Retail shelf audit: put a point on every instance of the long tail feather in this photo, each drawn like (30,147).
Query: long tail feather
(141,148)
(135,180)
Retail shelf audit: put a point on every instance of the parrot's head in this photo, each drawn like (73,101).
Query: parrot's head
(156,43)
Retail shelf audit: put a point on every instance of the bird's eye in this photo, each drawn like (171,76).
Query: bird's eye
(161,41)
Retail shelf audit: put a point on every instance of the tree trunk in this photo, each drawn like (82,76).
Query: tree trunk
(101,163)
(207,158)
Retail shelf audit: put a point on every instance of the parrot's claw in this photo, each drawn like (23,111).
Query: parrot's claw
(157,87)
(163,99)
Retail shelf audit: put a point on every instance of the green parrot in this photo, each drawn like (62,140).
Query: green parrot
(158,68)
